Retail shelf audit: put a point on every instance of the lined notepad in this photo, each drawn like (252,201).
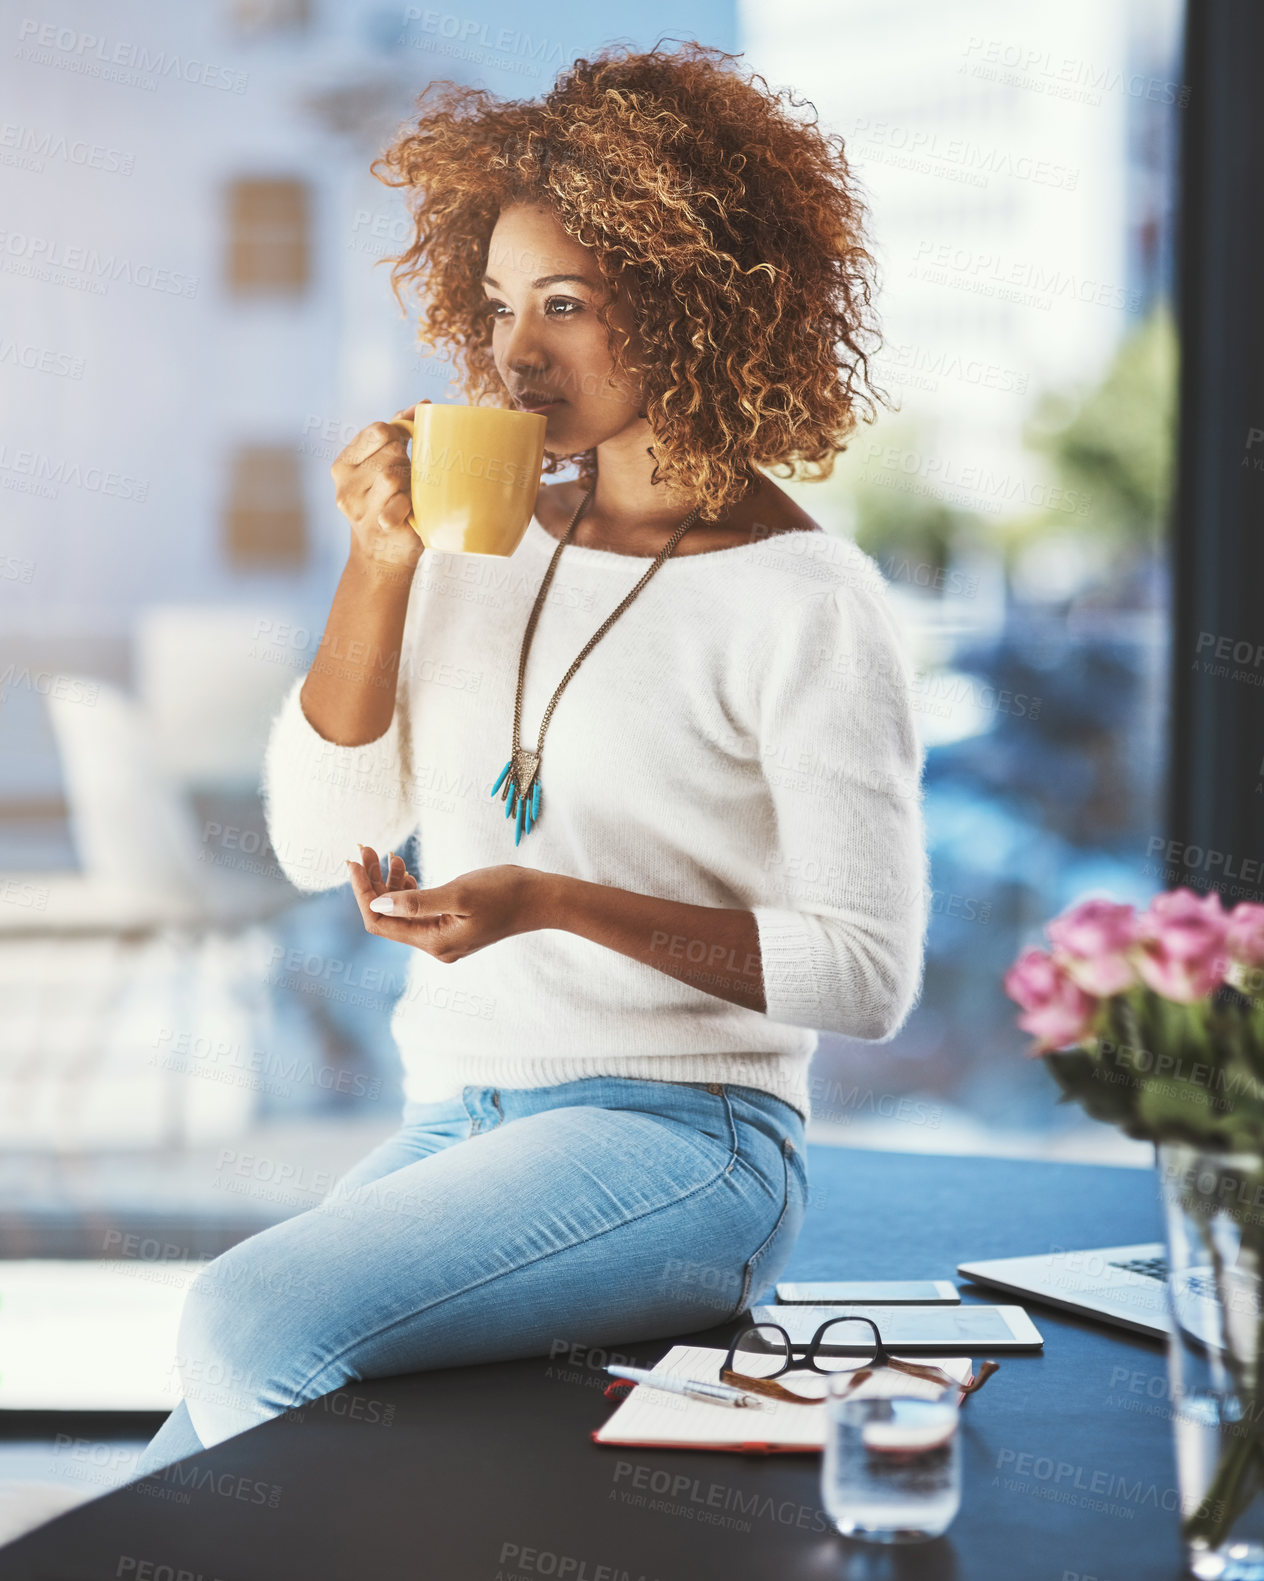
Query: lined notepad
(674,1421)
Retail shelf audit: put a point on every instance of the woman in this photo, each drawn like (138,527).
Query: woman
(607,1024)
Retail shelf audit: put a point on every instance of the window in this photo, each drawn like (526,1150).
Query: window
(1017,499)
(269,249)
(270,16)
(265,525)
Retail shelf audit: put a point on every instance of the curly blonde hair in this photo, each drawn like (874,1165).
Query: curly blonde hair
(734,229)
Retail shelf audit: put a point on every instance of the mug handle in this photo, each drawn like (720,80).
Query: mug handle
(407,423)
(409,426)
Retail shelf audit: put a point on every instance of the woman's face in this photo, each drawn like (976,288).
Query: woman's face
(547,340)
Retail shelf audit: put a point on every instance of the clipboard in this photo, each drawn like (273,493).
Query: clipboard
(654,1419)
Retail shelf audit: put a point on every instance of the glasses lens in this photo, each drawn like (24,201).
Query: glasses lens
(846,1345)
(761,1351)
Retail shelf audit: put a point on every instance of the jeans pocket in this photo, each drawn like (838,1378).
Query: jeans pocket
(774,1252)
(702,1114)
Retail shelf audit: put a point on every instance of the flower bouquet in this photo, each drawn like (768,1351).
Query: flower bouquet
(1154,1022)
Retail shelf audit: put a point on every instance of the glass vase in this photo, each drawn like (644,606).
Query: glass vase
(1213,1207)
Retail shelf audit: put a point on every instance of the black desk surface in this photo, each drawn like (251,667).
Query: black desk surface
(488,1473)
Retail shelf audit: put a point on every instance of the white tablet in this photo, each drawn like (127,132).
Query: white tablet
(906,1330)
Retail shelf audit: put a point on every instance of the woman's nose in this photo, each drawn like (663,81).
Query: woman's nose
(522,349)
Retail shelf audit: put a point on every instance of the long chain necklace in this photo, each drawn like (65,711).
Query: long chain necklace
(519,780)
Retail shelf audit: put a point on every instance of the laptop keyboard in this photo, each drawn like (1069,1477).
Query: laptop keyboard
(1151,1267)
(1157,1268)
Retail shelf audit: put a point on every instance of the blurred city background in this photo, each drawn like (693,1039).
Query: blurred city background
(195,321)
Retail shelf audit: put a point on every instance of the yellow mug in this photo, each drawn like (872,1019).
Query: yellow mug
(475,476)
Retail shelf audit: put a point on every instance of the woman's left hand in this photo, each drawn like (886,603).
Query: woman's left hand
(454,919)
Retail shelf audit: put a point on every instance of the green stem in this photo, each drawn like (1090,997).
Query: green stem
(1228,1494)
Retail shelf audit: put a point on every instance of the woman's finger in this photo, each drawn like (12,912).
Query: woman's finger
(407,411)
(372,867)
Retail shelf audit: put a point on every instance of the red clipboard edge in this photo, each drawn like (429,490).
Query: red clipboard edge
(752,1448)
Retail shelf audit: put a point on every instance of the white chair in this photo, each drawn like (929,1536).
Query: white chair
(210,677)
(143,864)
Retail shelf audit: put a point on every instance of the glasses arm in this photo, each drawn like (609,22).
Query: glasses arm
(972,1384)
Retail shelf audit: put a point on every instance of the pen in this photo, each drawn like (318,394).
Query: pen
(717,1393)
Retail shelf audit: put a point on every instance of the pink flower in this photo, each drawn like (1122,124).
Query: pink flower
(1244,944)
(1183,944)
(1093,941)
(1244,938)
(1058,1011)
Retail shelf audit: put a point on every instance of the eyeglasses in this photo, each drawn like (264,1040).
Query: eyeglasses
(865,1353)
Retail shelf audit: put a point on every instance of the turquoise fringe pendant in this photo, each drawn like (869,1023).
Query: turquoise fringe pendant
(521,792)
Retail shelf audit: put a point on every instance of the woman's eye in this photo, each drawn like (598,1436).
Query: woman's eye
(498,310)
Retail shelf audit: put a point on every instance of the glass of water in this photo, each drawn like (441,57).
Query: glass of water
(891,1472)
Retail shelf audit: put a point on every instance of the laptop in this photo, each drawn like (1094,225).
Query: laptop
(1124,1285)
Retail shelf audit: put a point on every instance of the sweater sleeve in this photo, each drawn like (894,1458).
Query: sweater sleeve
(322,800)
(844,949)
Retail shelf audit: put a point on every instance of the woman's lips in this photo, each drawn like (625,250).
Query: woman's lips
(534,404)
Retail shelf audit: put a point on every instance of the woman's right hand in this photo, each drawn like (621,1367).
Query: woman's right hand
(374,492)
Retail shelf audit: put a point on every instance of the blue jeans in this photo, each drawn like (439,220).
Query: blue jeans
(498,1224)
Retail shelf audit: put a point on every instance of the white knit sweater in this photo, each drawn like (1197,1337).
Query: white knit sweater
(741,737)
